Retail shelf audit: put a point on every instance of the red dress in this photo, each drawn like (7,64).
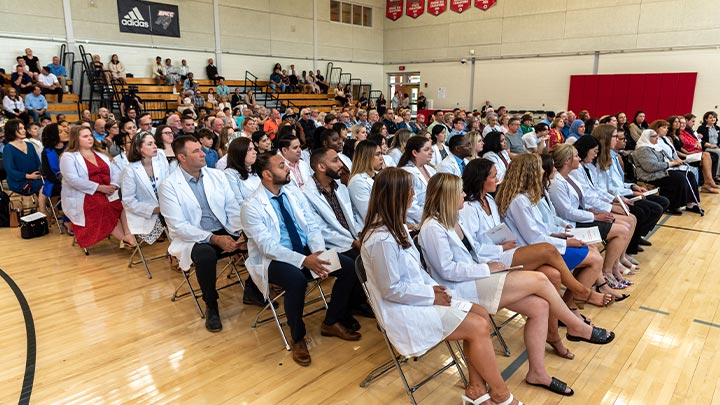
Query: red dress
(101,214)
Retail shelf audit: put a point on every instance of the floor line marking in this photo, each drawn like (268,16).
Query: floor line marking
(657,311)
(714,325)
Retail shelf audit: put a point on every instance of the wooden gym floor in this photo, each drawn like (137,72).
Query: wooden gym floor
(104,333)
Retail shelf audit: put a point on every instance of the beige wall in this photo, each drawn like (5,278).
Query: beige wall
(507,40)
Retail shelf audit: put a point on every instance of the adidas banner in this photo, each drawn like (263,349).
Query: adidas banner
(149,18)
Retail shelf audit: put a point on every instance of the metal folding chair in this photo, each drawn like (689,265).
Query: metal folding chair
(397,360)
(196,294)
(54,208)
(138,251)
(315,284)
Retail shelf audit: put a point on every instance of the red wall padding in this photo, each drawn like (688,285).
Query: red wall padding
(660,95)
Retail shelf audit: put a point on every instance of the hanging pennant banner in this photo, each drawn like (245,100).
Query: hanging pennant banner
(485,4)
(415,8)
(394,9)
(437,7)
(459,6)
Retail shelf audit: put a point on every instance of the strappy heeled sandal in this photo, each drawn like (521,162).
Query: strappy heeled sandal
(566,355)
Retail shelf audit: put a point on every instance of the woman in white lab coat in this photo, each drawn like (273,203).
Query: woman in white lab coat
(452,259)
(414,310)
(90,184)
(568,197)
(519,202)
(367,161)
(415,160)
(494,149)
(141,179)
(480,215)
(239,172)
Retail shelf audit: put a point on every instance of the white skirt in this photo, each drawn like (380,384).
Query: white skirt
(490,289)
(506,257)
(450,317)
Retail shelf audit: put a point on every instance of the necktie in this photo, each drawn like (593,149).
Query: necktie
(290,226)
(462,166)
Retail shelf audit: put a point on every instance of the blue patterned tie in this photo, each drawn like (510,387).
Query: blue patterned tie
(297,244)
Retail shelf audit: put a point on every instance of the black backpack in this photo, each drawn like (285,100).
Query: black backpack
(4,210)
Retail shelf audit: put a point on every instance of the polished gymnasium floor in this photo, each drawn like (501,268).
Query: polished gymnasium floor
(104,333)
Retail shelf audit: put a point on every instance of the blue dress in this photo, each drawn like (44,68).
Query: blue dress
(17,164)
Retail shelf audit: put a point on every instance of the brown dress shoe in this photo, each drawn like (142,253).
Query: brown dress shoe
(300,353)
(338,330)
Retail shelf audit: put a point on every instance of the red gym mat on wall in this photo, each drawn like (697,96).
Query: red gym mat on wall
(660,95)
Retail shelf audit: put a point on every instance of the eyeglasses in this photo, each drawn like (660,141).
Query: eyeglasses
(167,132)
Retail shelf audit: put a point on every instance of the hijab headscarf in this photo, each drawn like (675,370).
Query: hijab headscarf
(574,128)
(644,141)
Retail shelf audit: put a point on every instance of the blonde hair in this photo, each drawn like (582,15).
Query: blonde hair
(441,199)
(356,130)
(561,154)
(473,138)
(362,161)
(523,176)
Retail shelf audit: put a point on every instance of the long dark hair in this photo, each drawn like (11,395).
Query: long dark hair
(493,142)
(388,206)
(474,176)
(51,136)
(548,165)
(644,124)
(414,144)
(236,154)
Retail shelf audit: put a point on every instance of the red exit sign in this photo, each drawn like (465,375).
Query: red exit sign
(401,68)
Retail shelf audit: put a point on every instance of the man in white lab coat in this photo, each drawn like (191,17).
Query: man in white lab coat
(456,160)
(284,244)
(333,208)
(203,218)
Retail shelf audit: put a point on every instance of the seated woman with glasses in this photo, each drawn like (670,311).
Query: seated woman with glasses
(654,166)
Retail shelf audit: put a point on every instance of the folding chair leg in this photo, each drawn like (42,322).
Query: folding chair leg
(54,214)
(142,260)
(279,325)
(496,332)
(87,253)
(457,362)
(186,281)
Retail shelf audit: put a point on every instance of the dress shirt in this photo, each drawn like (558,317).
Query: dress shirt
(284,235)
(208,221)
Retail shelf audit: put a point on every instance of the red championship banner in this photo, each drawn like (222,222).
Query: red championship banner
(484,4)
(437,7)
(394,9)
(415,8)
(459,6)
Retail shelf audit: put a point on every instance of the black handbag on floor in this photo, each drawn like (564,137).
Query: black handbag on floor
(33,226)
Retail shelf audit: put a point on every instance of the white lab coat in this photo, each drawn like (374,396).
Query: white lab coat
(593,197)
(359,188)
(401,294)
(138,196)
(182,212)
(611,180)
(346,161)
(395,155)
(76,184)
(437,156)
(420,187)
(567,201)
(305,172)
(121,161)
(262,228)
(499,165)
(389,161)
(476,223)
(450,165)
(449,262)
(527,223)
(242,188)
(336,236)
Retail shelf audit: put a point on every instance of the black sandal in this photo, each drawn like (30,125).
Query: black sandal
(555,386)
(599,336)
(621,298)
